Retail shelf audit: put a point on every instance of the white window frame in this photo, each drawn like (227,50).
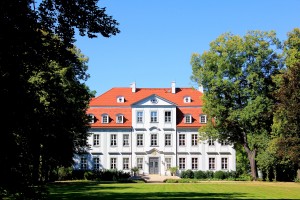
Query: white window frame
(168,139)
(211,142)
(168,119)
(181,138)
(211,163)
(153,118)
(194,139)
(105,119)
(120,99)
(139,118)
(125,140)
(96,161)
(96,140)
(194,163)
(126,164)
(83,163)
(203,119)
(140,163)
(91,118)
(187,99)
(119,119)
(224,142)
(224,163)
(188,118)
(168,162)
(182,163)
(139,140)
(113,163)
(153,139)
(113,140)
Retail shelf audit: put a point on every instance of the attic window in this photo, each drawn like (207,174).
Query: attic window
(203,119)
(187,99)
(120,99)
(105,119)
(119,119)
(91,118)
(188,118)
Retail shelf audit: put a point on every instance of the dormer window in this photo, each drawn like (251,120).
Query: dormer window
(187,99)
(91,118)
(188,118)
(119,119)
(203,119)
(105,118)
(120,99)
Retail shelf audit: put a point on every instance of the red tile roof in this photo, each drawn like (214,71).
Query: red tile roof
(107,103)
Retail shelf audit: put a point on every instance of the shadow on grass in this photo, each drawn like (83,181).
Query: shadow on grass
(94,190)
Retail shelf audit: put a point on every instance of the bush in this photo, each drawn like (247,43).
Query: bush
(187,174)
(199,174)
(219,175)
(209,174)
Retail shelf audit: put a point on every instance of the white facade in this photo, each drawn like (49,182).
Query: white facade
(154,142)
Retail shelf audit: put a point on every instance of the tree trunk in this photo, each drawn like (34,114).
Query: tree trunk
(251,156)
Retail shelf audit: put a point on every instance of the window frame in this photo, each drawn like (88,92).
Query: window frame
(212,163)
(153,141)
(182,165)
(91,118)
(194,163)
(96,141)
(126,164)
(139,119)
(168,118)
(105,118)
(113,140)
(168,162)
(194,141)
(181,141)
(224,165)
(83,163)
(205,119)
(126,140)
(140,163)
(118,121)
(113,163)
(154,119)
(187,118)
(168,141)
(139,140)
(96,163)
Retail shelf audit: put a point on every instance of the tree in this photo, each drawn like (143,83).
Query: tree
(42,87)
(236,74)
(286,127)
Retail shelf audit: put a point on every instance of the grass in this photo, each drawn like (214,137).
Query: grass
(168,191)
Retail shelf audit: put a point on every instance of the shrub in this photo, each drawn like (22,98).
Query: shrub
(209,174)
(219,175)
(199,174)
(187,174)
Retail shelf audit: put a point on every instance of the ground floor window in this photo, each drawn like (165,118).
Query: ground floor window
(224,163)
(113,163)
(194,163)
(96,161)
(211,164)
(168,162)
(83,163)
(182,163)
(139,162)
(125,163)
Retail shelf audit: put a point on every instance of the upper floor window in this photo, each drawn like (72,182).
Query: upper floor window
(194,139)
(96,140)
(125,140)
(188,118)
(91,118)
(153,116)
(139,140)
(153,139)
(113,140)
(139,117)
(211,142)
(187,99)
(224,142)
(105,118)
(181,139)
(167,116)
(119,119)
(203,119)
(120,99)
(168,139)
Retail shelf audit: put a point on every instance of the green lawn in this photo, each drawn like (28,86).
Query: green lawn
(204,190)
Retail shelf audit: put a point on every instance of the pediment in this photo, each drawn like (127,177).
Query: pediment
(154,100)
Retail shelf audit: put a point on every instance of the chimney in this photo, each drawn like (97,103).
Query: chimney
(133,87)
(200,88)
(173,87)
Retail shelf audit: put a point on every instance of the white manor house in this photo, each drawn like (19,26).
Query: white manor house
(152,129)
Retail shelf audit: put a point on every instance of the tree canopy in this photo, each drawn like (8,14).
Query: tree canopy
(42,86)
(236,74)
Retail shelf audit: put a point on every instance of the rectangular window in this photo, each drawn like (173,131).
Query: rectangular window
(91,118)
(182,163)
(224,142)
(113,140)
(139,140)
(211,164)
(120,119)
(167,116)
(83,163)
(194,163)
(203,119)
(194,139)
(168,162)
(139,162)
(125,140)
(211,142)
(188,119)
(139,117)
(153,139)
(104,119)
(125,163)
(181,139)
(113,163)
(224,163)
(96,161)
(167,139)
(153,116)
(96,140)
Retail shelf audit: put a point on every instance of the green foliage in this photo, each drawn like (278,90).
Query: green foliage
(219,175)
(173,170)
(187,174)
(199,174)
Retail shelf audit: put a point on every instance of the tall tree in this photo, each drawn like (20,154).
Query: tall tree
(287,116)
(42,86)
(236,73)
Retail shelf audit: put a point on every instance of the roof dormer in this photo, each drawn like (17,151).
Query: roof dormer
(120,99)
(187,99)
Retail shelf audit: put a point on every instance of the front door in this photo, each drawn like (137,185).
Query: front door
(153,165)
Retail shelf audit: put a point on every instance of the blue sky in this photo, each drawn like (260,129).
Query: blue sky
(158,37)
